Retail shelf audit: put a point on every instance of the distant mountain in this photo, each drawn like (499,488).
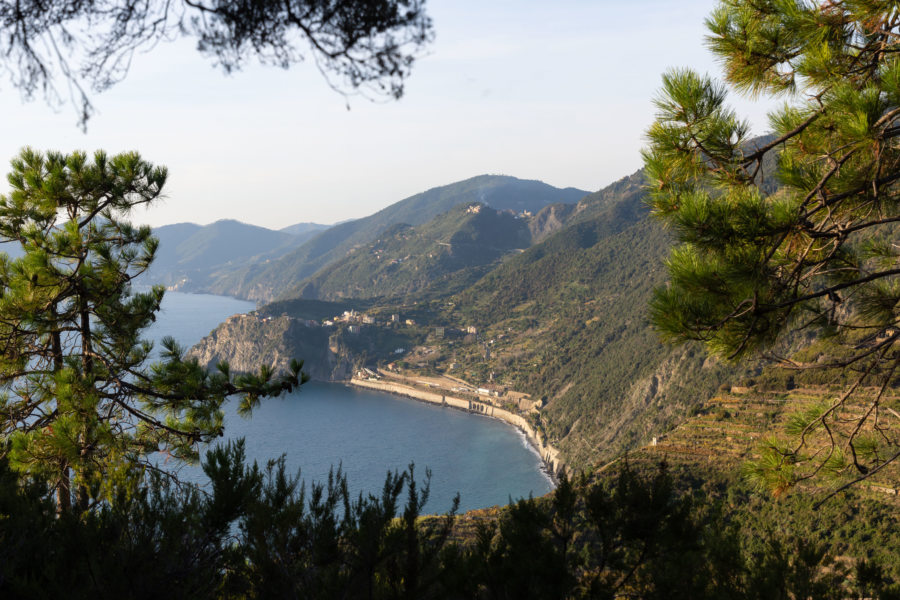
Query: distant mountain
(306,230)
(281,277)
(190,255)
(446,254)
(564,320)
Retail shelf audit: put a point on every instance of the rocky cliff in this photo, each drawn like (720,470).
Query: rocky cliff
(248,341)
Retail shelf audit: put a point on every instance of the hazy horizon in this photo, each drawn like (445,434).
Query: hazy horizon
(376,209)
(560,93)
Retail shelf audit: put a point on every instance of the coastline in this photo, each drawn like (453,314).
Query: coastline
(550,458)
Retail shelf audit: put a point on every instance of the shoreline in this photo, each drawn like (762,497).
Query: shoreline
(551,462)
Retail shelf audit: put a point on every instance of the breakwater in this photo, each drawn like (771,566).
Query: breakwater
(549,455)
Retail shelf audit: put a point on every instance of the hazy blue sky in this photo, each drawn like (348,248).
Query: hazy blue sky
(558,91)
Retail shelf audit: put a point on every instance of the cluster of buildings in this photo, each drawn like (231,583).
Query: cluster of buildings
(355,319)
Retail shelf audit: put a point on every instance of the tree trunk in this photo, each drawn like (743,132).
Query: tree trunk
(63,491)
(63,488)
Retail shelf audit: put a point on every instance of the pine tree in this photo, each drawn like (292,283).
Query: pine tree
(813,248)
(81,408)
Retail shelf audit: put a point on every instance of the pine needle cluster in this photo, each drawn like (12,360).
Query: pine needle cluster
(797,230)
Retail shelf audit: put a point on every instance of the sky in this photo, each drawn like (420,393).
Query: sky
(556,91)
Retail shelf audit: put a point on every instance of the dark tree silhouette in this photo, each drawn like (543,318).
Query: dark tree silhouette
(87,45)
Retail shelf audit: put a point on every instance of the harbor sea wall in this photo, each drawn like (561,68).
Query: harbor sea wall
(548,453)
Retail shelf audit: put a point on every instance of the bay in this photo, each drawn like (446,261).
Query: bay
(366,432)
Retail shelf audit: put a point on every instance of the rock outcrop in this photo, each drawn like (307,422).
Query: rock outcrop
(248,341)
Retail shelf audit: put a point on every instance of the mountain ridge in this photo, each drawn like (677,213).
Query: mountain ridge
(564,320)
(273,281)
(458,245)
(190,255)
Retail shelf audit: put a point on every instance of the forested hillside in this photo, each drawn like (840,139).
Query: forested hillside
(278,278)
(565,320)
(569,324)
(442,256)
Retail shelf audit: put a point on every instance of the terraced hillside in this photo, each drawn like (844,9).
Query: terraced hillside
(566,322)
(727,431)
(705,456)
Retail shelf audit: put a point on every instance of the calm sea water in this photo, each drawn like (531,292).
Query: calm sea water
(369,432)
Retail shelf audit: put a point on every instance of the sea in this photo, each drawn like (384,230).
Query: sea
(364,432)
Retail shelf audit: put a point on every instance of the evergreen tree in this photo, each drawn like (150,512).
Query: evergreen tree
(818,251)
(80,408)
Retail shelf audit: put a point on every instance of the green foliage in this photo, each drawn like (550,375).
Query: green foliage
(792,543)
(80,409)
(262,533)
(259,533)
(755,264)
(636,533)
